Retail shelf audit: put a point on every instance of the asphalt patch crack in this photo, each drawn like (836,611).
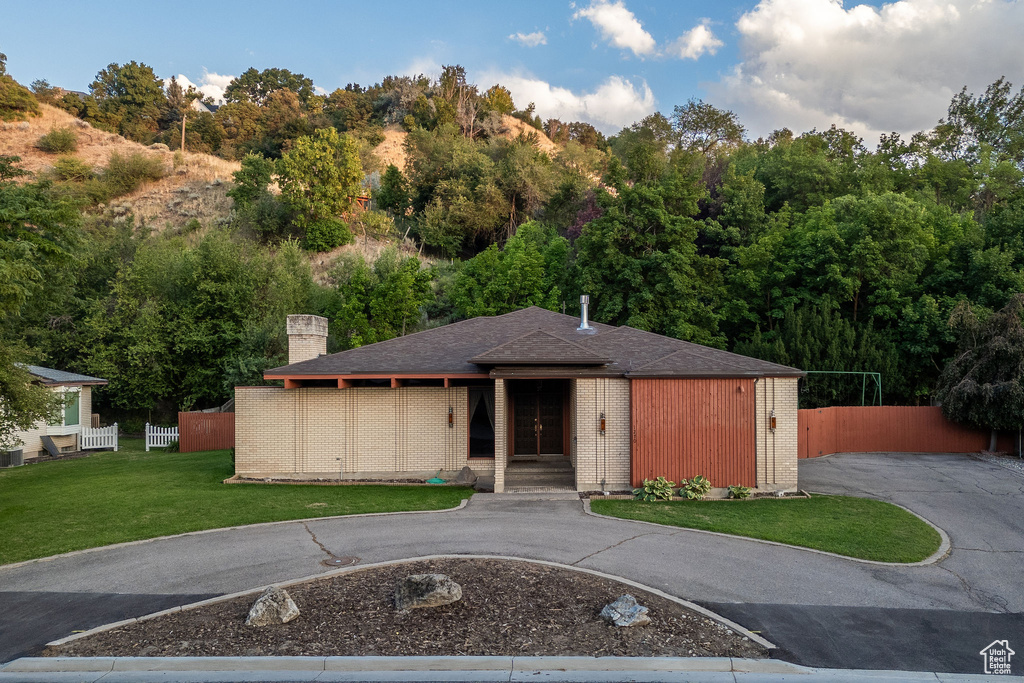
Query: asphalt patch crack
(330,555)
(982,598)
(614,545)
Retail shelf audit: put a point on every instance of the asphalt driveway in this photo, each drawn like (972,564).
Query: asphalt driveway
(980,505)
(822,610)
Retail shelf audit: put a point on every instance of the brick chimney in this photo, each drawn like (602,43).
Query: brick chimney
(307,337)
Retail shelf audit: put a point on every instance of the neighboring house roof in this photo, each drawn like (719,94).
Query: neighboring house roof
(50,376)
(500,345)
(200,106)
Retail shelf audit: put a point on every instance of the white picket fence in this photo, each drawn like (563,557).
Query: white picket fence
(159,437)
(103,437)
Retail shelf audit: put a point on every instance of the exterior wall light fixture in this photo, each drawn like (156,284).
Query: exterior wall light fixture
(451,418)
(603,424)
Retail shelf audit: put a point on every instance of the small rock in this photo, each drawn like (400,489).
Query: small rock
(24,125)
(426,590)
(466,476)
(625,612)
(275,606)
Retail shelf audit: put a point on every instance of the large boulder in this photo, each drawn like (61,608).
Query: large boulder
(275,606)
(426,590)
(466,476)
(625,612)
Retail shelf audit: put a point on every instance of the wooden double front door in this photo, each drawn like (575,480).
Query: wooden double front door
(539,423)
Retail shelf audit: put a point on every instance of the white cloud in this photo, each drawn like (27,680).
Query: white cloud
(211,85)
(530,39)
(615,103)
(428,66)
(619,26)
(695,42)
(811,63)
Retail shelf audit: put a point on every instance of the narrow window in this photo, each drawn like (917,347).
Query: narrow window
(481,422)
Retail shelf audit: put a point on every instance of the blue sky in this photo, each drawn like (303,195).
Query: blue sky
(798,63)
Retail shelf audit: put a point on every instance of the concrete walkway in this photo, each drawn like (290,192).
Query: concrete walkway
(906,617)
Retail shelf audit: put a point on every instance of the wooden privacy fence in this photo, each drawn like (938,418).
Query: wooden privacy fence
(206,431)
(906,429)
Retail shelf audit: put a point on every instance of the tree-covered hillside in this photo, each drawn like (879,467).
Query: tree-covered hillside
(813,249)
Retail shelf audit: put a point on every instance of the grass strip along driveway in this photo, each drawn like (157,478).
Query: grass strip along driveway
(105,498)
(855,527)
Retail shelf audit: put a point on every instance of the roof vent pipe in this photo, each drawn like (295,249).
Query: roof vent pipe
(585,327)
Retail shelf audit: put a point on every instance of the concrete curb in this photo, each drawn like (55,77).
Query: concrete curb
(194,669)
(349,570)
(127,544)
(944,544)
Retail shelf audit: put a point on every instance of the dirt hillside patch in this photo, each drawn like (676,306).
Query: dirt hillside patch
(197,188)
(392,150)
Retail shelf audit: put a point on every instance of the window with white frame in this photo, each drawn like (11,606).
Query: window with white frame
(69,416)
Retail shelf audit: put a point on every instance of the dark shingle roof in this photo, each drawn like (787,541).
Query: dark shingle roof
(51,376)
(538,337)
(539,348)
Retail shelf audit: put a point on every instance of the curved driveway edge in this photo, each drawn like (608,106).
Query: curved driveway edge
(199,532)
(938,555)
(351,570)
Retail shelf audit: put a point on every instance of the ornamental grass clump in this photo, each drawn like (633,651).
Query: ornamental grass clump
(696,488)
(655,489)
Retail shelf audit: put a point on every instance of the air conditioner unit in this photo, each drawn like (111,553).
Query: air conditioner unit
(12,458)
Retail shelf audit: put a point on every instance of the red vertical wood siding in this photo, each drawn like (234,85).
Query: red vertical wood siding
(903,429)
(205,431)
(686,427)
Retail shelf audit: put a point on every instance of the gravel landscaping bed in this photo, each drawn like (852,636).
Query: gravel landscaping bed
(508,608)
(1011,462)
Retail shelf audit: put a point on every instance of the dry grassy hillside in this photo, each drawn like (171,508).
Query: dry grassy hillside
(392,150)
(195,189)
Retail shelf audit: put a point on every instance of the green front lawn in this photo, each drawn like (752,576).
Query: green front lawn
(107,498)
(856,527)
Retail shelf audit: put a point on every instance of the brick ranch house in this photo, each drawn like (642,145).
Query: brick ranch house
(517,395)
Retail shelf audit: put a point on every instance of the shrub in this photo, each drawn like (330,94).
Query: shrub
(655,489)
(16,101)
(326,234)
(173,447)
(133,426)
(72,169)
(58,141)
(696,488)
(377,223)
(126,174)
(738,491)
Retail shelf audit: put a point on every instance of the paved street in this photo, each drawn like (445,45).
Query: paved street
(871,616)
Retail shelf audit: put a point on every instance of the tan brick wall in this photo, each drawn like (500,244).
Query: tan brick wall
(602,456)
(350,433)
(305,347)
(500,435)
(777,449)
